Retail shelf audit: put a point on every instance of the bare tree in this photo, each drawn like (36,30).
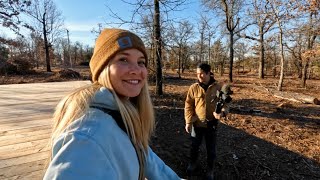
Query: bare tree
(10,11)
(203,26)
(272,51)
(180,36)
(296,49)
(49,22)
(261,13)
(219,56)
(281,11)
(230,10)
(241,49)
(158,47)
(37,45)
(310,30)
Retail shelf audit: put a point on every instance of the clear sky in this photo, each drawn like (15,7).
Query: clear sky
(81,16)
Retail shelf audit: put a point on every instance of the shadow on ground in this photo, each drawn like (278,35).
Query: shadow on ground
(240,155)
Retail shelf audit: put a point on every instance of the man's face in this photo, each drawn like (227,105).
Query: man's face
(202,76)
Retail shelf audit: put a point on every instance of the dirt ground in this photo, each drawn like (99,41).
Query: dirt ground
(263,137)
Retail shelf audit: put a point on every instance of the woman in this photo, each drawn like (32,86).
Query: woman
(89,140)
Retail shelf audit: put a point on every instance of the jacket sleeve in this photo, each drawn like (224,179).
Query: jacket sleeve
(189,108)
(156,169)
(79,157)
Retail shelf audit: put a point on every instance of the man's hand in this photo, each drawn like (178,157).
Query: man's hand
(217,116)
(188,128)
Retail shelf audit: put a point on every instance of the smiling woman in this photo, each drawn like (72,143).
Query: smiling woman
(128,72)
(102,131)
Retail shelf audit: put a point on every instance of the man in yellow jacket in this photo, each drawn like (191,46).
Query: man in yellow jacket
(201,118)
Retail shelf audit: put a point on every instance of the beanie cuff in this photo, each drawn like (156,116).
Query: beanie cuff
(108,44)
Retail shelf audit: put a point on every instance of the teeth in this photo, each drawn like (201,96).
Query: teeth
(133,81)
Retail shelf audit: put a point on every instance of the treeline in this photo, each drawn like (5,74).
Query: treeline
(265,37)
(41,40)
(19,56)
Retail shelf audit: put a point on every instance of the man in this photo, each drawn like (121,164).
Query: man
(201,118)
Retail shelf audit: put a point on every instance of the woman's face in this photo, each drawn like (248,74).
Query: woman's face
(128,72)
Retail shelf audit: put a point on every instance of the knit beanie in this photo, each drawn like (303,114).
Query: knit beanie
(108,44)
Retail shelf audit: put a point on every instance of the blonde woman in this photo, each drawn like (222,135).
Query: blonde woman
(102,131)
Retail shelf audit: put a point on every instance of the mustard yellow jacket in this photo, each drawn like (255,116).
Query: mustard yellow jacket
(200,104)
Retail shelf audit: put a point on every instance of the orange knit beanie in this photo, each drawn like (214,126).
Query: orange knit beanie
(110,42)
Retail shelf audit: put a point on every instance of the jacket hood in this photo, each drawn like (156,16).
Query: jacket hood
(105,99)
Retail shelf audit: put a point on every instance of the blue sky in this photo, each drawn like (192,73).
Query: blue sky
(81,16)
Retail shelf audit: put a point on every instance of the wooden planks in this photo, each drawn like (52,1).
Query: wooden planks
(25,126)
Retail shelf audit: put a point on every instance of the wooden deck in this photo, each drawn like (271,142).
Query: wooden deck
(25,126)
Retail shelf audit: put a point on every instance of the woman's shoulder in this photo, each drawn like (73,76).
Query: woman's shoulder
(94,124)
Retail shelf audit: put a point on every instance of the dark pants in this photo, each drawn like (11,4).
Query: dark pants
(209,134)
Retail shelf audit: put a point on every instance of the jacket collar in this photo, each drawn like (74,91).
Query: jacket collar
(205,86)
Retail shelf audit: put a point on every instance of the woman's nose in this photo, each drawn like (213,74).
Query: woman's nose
(134,68)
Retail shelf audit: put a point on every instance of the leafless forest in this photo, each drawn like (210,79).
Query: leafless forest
(268,50)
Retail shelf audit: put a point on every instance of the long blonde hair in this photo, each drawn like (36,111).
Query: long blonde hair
(137,113)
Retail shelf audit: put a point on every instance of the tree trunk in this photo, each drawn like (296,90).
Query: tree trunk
(209,50)
(46,45)
(295,97)
(221,69)
(69,51)
(304,75)
(311,39)
(179,63)
(291,96)
(231,55)
(153,55)
(300,70)
(158,44)
(274,70)
(201,46)
(282,60)
(261,65)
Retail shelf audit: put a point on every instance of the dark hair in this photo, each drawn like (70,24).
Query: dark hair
(204,67)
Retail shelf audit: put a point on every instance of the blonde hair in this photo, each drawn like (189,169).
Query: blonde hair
(137,113)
